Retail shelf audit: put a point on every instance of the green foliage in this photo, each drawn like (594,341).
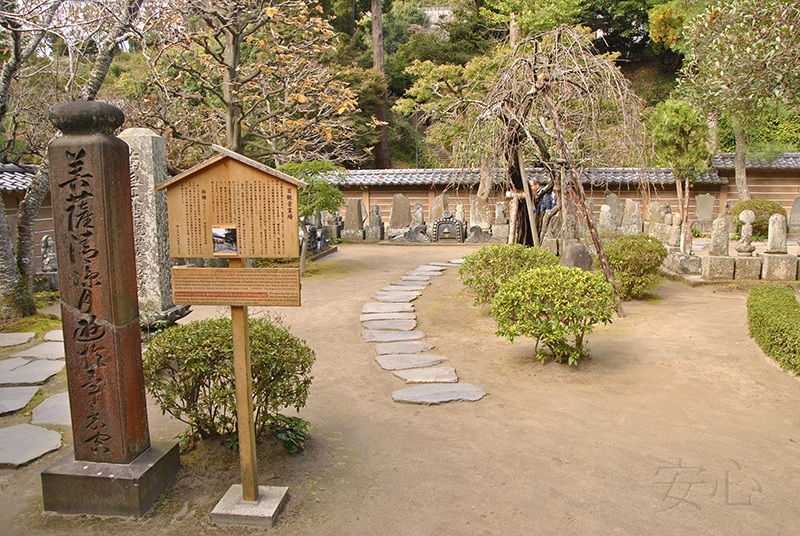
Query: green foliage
(680,134)
(773,315)
(189,370)
(763,209)
(485,270)
(635,260)
(531,15)
(320,194)
(555,305)
(293,431)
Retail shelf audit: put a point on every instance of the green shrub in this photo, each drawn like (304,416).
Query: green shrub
(551,305)
(773,316)
(485,270)
(189,370)
(763,210)
(635,260)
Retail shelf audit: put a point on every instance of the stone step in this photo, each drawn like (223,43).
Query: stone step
(403,288)
(23,443)
(408,361)
(396,297)
(13,339)
(415,277)
(391,325)
(411,283)
(424,274)
(410,347)
(383,316)
(53,410)
(373,307)
(15,398)
(33,373)
(371,335)
(45,350)
(439,393)
(428,375)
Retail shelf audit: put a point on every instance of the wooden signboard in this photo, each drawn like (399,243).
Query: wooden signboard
(234,207)
(231,206)
(277,287)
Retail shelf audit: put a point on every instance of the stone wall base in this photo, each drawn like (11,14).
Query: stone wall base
(748,268)
(718,267)
(778,267)
(353,235)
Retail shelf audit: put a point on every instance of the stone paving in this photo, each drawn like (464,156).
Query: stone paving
(20,376)
(389,321)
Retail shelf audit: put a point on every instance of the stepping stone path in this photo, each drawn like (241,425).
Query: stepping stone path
(390,320)
(25,370)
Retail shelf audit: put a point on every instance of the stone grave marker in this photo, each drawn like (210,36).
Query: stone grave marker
(481,213)
(399,215)
(438,206)
(704,212)
(353,221)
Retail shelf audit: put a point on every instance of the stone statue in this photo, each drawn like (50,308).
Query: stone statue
(745,248)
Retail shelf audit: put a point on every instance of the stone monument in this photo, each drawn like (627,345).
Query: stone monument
(438,206)
(776,263)
(148,158)
(399,215)
(794,220)
(500,224)
(374,230)
(718,265)
(704,212)
(481,213)
(114,468)
(747,266)
(353,222)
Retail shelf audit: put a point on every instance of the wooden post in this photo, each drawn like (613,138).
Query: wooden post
(244,396)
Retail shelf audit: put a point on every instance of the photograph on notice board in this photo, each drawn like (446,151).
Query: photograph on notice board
(224,240)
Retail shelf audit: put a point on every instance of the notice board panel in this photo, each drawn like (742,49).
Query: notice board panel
(276,287)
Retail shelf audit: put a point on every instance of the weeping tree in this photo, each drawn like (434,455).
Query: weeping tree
(556,103)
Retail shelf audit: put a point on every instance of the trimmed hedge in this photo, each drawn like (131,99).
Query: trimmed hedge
(773,316)
(556,306)
(487,269)
(635,260)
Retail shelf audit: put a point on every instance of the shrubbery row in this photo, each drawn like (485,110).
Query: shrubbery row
(773,316)
(533,296)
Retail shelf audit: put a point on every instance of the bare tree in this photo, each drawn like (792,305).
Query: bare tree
(17,267)
(555,102)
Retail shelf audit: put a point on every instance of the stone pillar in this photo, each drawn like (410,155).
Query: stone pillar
(91,192)
(353,222)
(148,158)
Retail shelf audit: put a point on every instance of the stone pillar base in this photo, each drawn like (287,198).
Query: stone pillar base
(79,487)
(352,235)
(718,267)
(748,268)
(264,511)
(683,264)
(778,267)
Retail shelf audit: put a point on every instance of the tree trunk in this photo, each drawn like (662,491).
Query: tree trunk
(109,47)
(303,249)
(528,200)
(740,162)
(567,154)
(382,156)
(230,87)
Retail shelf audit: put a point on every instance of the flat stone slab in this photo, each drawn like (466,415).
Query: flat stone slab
(53,410)
(394,325)
(429,273)
(428,375)
(45,350)
(411,283)
(385,316)
(55,335)
(33,373)
(371,335)
(396,297)
(456,261)
(264,511)
(430,268)
(402,288)
(445,264)
(12,363)
(415,277)
(15,398)
(439,393)
(13,339)
(411,347)
(408,361)
(374,307)
(23,443)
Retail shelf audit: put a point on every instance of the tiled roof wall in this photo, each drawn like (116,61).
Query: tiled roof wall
(784,161)
(14,178)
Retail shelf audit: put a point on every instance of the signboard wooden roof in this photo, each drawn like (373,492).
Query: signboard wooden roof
(232,206)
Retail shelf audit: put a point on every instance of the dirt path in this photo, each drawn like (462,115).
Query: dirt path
(677,425)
